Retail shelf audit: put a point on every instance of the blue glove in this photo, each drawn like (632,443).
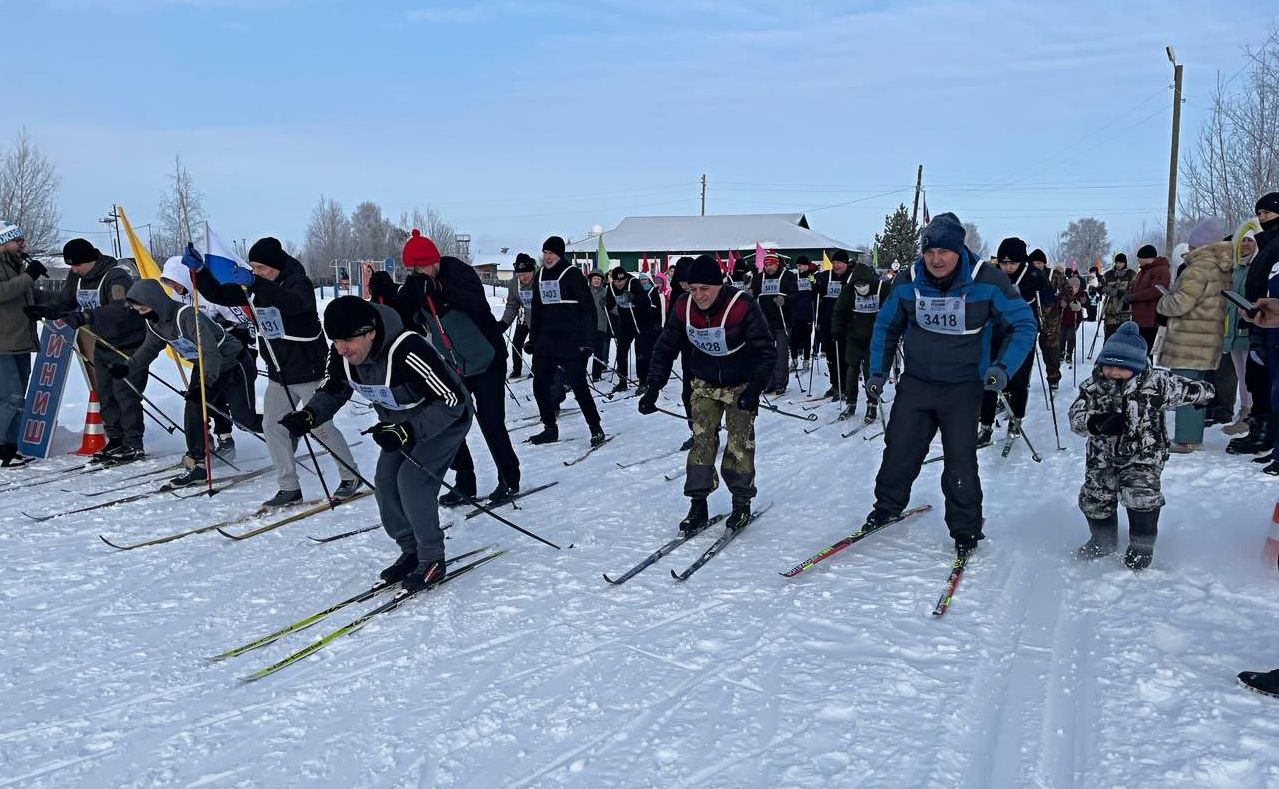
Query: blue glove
(192,259)
(996,378)
(875,387)
(242,276)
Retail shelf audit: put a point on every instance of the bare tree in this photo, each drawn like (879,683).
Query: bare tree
(373,236)
(1153,234)
(181,215)
(433,226)
(328,237)
(973,240)
(29,193)
(1083,241)
(1235,160)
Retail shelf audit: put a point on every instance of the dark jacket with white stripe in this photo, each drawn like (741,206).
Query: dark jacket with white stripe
(112,320)
(417,375)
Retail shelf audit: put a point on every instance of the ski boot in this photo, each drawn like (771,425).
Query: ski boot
(1104,539)
(1266,682)
(966,545)
(225,449)
(1143,527)
(346,489)
(872,412)
(283,498)
(108,452)
(126,455)
(502,493)
(597,437)
(696,518)
(739,517)
(831,392)
(424,575)
(549,435)
(620,386)
(399,569)
(10,457)
(194,474)
(985,435)
(880,517)
(463,490)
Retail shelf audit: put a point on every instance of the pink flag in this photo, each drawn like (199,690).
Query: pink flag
(759,256)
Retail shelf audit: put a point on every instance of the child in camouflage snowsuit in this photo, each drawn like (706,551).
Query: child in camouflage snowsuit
(1121,410)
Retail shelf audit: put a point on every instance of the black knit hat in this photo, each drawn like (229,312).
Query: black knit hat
(1011,250)
(1147,252)
(268,252)
(618,273)
(554,244)
(802,260)
(79,250)
(1121,258)
(524,263)
(705,271)
(839,256)
(944,232)
(1268,202)
(350,316)
(1037,256)
(680,272)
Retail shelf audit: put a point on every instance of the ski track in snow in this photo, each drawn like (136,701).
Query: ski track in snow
(532,672)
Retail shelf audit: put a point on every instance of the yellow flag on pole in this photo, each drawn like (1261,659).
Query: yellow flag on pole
(826,264)
(149,270)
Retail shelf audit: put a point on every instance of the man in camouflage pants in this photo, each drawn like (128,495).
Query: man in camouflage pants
(1050,319)
(731,354)
(1120,409)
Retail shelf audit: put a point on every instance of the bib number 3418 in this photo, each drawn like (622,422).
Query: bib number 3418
(941,315)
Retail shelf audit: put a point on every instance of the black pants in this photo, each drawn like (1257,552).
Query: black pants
(234,389)
(1257,378)
(547,391)
(835,360)
(1226,389)
(919,409)
(801,340)
(1068,335)
(1148,334)
(623,362)
(517,352)
(1018,392)
(858,358)
(488,394)
(121,406)
(600,344)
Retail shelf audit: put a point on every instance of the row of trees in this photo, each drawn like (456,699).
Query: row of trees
(367,234)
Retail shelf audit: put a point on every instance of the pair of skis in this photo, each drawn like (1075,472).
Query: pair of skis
(400,598)
(952,580)
(728,536)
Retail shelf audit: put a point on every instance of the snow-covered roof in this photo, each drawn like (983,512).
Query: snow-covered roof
(710,233)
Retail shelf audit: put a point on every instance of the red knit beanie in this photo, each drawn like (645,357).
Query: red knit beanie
(420,251)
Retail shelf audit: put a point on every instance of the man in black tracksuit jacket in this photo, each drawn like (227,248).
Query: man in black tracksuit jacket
(94,296)
(634,322)
(826,289)
(445,298)
(775,288)
(561,338)
(731,355)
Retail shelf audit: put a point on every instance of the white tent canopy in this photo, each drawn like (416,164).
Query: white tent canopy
(641,234)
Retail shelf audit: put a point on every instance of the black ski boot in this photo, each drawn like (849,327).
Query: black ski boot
(881,517)
(462,492)
(1266,682)
(696,518)
(283,498)
(985,435)
(549,435)
(108,452)
(1265,459)
(1104,539)
(10,457)
(872,412)
(424,575)
(194,474)
(126,455)
(399,569)
(965,545)
(620,387)
(225,449)
(597,436)
(739,517)
(346,489)
(1143,526)
(502,492)
(831,392)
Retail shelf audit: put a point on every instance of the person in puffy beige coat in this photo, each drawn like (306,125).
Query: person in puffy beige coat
(1196,313)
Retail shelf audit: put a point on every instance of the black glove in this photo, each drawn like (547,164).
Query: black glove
(298,423)
(36,269)
(528,347)
(75,319)
(875,387)
(648,402)
(119,370)
(748,400)
(392,436)
(35,312)
(1111,423)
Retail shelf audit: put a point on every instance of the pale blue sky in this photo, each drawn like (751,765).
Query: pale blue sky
(522,119)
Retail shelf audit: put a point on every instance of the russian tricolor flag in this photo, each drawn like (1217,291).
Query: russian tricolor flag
(218,258)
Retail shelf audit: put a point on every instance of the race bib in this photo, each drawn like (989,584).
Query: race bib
(88,299)
(270,322)
(378,395)
(942,314)
(834,288)
(188,349)
(550,291)
(712,340)
(526,298)
(805,284)
(867,303)
(770,287)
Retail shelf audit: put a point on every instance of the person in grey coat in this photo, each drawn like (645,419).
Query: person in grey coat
(424,412)
(229,370)
(18,274)
(519,309)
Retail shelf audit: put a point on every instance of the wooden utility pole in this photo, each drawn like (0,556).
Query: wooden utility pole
(919,184)
(1176,142)
(703,194)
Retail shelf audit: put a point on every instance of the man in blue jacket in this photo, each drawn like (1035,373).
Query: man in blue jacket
(943,310)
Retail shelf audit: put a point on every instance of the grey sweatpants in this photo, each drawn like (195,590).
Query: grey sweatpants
(281,445)
(407,497)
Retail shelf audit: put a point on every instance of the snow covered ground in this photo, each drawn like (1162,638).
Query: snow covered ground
(534,672)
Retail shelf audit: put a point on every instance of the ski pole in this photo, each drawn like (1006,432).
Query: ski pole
(1043,384)
(1101,318)
(204,403)
(1052,405)
(471,499)
(1013,421)
(765,404)
(148,407)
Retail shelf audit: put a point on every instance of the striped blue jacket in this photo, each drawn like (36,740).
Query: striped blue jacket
(989,300)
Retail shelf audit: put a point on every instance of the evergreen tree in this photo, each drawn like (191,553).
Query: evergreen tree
(899,243)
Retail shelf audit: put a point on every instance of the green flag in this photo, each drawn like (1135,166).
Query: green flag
(601,256)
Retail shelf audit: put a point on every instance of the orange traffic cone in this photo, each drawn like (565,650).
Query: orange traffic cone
(1272,539)
(94,439)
